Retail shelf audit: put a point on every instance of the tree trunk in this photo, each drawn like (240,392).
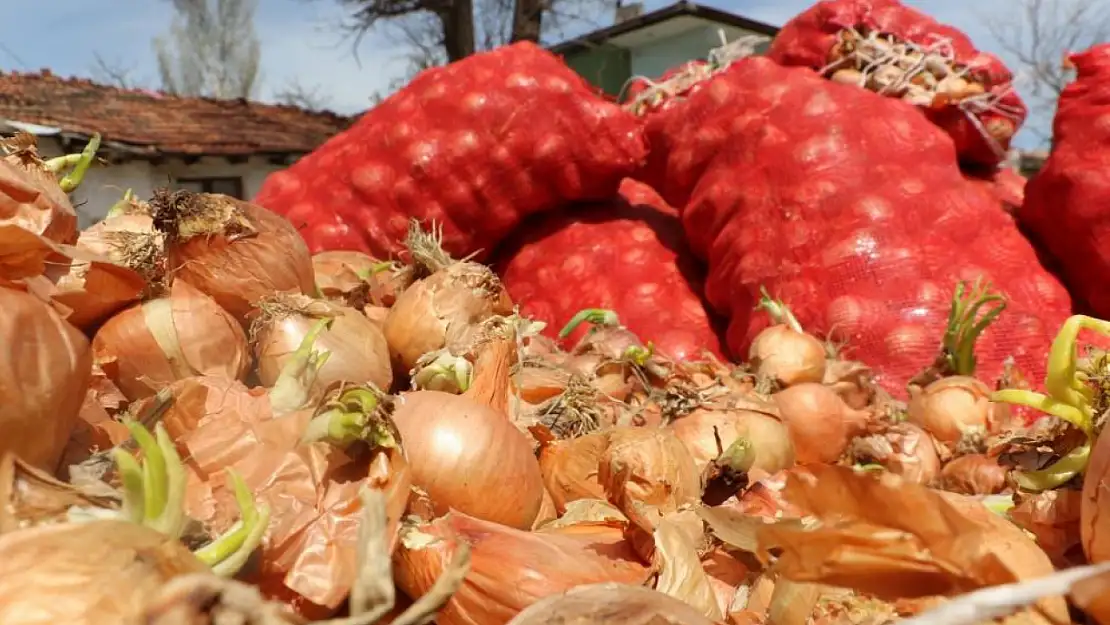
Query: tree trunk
(527,20)
(458,29)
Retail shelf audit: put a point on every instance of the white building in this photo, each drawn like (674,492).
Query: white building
(152,140)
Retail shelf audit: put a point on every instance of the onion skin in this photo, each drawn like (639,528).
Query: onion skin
(184,334)
(206,248)
(470,457)
(512,569)
(1094,522)
(769,436)
(787,356)
(46,365)
(974,474)
(31,198)
(649,466)
(443,311)
(569,468)
(86,573)
(357,351)
(616,604)
(951,406)
(353,279)
(821,424)
(903,449)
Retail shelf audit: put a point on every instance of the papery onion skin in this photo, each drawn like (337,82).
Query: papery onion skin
(357,351)
(569,468)
(619,604)
(236,271)
(511,569)
(86,573)
(903,449)
(443,311)
(952,406)
(974,474)
(769,436)
(650,466)
(33,200)
(46,365)
(129,239)
(469,457)
(341,274)
(181,335)
(1094,522)
(821,424)
(787,356)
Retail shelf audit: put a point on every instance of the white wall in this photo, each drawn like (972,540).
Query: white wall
(104,186)
(654,58)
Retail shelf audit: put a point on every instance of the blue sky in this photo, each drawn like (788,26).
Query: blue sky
(300,40)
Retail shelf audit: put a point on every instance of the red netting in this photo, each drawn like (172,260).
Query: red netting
(1005,186)
(475,146)
(628,256)
(850,206)
(1067,204)
(812,38)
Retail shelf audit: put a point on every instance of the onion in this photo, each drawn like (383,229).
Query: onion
(853,381)
(444,309)
(954,406)
(618,604)
(569,468)
(784,352)
(744,418)
(901,448)
(170,338)
(465,452)
(647,466)
(86,573)
(821,424)
(357,352)
(974,474)
(1094,521)
(127,237)
(32,197)
(31,497)
(357,280)
(1053,517)
(233,251)
(511,569)
(46,365)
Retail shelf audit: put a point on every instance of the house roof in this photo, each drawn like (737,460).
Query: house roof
(150,124)
(673,11)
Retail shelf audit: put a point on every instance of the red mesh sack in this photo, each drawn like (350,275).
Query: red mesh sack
(626,255)
(1067,204)
(899,51)
(474,146)
(851,208)
(1005,186)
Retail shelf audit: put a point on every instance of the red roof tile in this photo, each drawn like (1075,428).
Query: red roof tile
(155,123)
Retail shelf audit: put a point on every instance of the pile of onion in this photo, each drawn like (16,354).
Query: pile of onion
(356,348)
(179,335)
(46,364)
(464,450)
(442,309)
(233,251)
(821,424)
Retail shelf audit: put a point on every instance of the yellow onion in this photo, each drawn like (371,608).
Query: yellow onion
(903,449)
(30,195)
(618,604)
(177,336)
(46,365)
(511,569)
(821,424)
(569,468)
(464,451)
(852,381)
(86,573)
(235,252)
(377,315)
(356,279)
(127,237)
(787,356)
(1094,521)
(1053,517)
(744,418)
(444,309)
(954,406)
(974,474)
(649,466)
(357,352)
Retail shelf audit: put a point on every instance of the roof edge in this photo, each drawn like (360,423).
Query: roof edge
(684,7)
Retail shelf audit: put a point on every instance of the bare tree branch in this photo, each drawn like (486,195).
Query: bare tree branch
(296,93)
(211,49)
(113,73)
(1037,34)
